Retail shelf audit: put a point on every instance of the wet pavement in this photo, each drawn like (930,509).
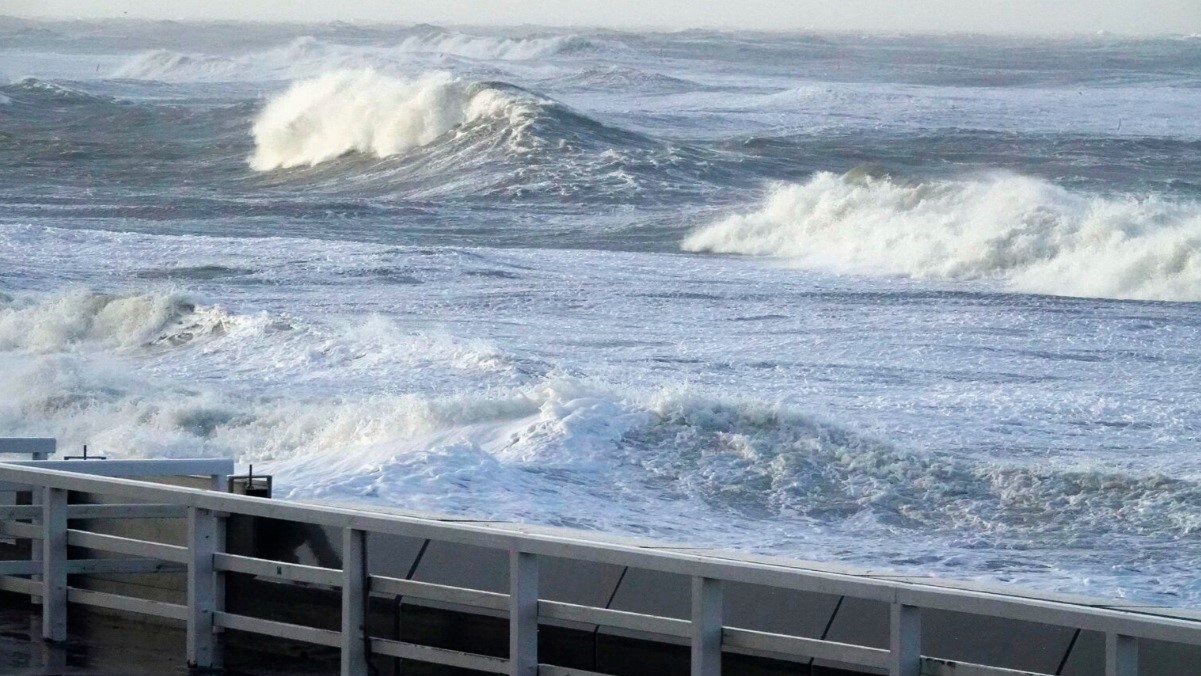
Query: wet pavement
(97,645)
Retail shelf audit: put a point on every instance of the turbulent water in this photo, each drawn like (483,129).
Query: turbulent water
(917,303)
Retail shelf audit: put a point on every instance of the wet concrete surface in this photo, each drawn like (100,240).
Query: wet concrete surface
(102,644)
(99,646)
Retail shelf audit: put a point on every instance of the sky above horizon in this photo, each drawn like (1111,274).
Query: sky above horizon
(989,16)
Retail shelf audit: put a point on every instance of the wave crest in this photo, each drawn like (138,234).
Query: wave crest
(1029,233)
(364,111)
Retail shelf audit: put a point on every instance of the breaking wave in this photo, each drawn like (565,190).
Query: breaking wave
(326,117)
(1028,233)
(77,318)
(321,119)
(581,453)
(773,462)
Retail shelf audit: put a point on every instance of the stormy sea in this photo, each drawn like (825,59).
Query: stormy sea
(914,302)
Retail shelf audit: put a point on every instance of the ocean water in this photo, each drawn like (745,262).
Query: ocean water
(920,303)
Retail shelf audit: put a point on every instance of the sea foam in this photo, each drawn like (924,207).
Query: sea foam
(1028,233)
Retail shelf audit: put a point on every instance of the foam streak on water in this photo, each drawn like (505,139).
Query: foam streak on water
(927,304)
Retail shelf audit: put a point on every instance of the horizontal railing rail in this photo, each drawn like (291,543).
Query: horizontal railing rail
(706,631)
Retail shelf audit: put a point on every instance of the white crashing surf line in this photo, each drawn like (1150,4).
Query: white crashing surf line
(1028,233)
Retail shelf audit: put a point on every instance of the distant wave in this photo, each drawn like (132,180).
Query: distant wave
(306,56)
(167,65)
(1029,233)
(37,89)
(622,77)
(496,48)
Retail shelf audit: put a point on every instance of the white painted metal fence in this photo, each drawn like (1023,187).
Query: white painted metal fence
(206,562)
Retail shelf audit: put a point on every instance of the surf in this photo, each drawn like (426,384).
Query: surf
(1026,233)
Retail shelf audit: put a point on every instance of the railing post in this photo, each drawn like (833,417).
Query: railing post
(523,614)
(905,644)
(54,564)
(706,626)
(1121,655)
(35,552)
(354,602)
(204,540)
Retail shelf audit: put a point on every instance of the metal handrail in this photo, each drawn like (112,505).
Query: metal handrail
(706,631)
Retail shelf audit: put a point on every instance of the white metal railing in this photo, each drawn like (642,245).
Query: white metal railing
(206,562)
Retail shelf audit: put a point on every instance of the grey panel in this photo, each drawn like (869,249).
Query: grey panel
(780,611)
(464,566)
(391,555)
(654,593)
(1000,643)
(580,582)
(1157,658)
(861,623)
(1087,657)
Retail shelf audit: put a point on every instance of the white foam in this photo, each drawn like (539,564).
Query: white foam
(1028,233)
(367,112)
(565,450)
(66,320)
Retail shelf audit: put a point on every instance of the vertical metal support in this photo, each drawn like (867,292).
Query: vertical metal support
(204,541)
(354,602)
(706,626)
(523,614)
(35,552)
(35,498)
(54,564)
(905,644)
(1121,655)
(219,594)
